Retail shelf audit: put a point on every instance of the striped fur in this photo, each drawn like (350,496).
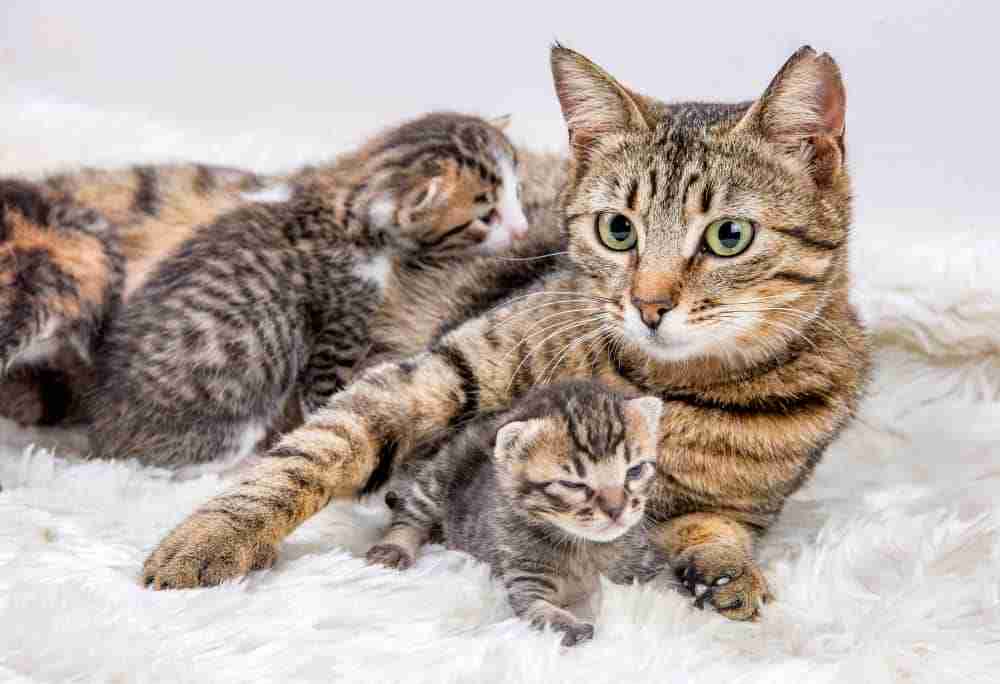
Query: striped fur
(759,373)
(550,494)
(60,277)
(269,306)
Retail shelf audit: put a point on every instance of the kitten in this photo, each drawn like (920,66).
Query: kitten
(266,311)
(550,494)
(707,265)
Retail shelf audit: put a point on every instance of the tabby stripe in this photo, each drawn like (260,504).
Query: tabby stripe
(534,580)
(470,385)
(204,180)
(632,194)
(794,277)
(383,468)
(147,194)
(430,244)
(770,406)
(653,185)
(800,234)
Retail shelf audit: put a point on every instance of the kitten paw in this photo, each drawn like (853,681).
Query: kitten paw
(203,551)
(575,633)
(726,578)
(389,555)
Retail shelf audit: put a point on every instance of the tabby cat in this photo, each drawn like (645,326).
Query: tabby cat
(274,298)
(707,265)
(550,494)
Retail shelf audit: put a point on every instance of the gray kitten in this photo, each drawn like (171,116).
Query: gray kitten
(551,494)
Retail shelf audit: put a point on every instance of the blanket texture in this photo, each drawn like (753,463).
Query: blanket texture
(886,565)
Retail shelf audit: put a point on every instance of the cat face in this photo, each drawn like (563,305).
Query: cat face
(449,183)
(716,231)
(586,469)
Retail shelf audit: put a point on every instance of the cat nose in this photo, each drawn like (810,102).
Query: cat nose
(652,312)
(612,502)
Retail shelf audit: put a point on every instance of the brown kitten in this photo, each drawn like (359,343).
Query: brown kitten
(550,494)
(271,303)
(707,266)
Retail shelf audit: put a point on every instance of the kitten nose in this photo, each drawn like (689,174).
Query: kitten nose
(652,312)
(612,502)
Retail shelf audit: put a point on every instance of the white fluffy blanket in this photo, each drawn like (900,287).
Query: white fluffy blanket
(887,565)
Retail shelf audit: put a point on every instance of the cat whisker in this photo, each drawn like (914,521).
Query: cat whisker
(531,258)
(559,331)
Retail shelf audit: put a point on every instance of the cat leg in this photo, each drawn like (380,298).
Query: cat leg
(533,597)
(399,547)
(712,557)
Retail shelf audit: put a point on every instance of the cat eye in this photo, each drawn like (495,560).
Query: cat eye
(573,485)
(616,232)
(635,472)
(728,237)
(481,199)
(488,216)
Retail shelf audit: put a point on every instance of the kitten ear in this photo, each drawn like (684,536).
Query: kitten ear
(647,412)
(425,193)
(512,438)
(593,102)
(803,111)
(501,123)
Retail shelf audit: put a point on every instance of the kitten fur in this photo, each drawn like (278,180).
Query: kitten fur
(61,273)
(550,494)
(758,356)
(265,312)
(142,214)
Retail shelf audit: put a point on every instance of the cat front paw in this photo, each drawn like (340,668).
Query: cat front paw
(390,555)
(725,577)
(203,551)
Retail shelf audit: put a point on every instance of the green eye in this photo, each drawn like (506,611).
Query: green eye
(728,237)
(616,232)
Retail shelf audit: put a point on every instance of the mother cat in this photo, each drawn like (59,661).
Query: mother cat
(707,264)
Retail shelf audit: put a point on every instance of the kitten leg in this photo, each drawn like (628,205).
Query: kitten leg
(533,597)
(712,557)
(398,548)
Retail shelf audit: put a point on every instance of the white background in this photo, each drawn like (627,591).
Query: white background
(271,84)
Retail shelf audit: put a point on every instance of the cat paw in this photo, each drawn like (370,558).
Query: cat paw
(726,578)
(575,633)
(389,555)
(203,551)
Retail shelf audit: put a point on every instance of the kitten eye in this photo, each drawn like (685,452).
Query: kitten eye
(616,232)
(573,485)
(482,198)
(728,237)
(488,216)
(635,472)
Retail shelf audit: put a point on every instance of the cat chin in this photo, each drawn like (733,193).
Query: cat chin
(606,534)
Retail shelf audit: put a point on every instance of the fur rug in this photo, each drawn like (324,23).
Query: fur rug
(886,565)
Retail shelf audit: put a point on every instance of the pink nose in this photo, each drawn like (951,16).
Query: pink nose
(519,230)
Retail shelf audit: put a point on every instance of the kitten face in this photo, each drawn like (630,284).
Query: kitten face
(717,230)
(587,471)
(452,186)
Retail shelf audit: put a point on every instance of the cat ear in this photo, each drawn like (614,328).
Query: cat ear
(803,111)
(501,123)
(647,412)
(513,437)
(425,193)
(593,102)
